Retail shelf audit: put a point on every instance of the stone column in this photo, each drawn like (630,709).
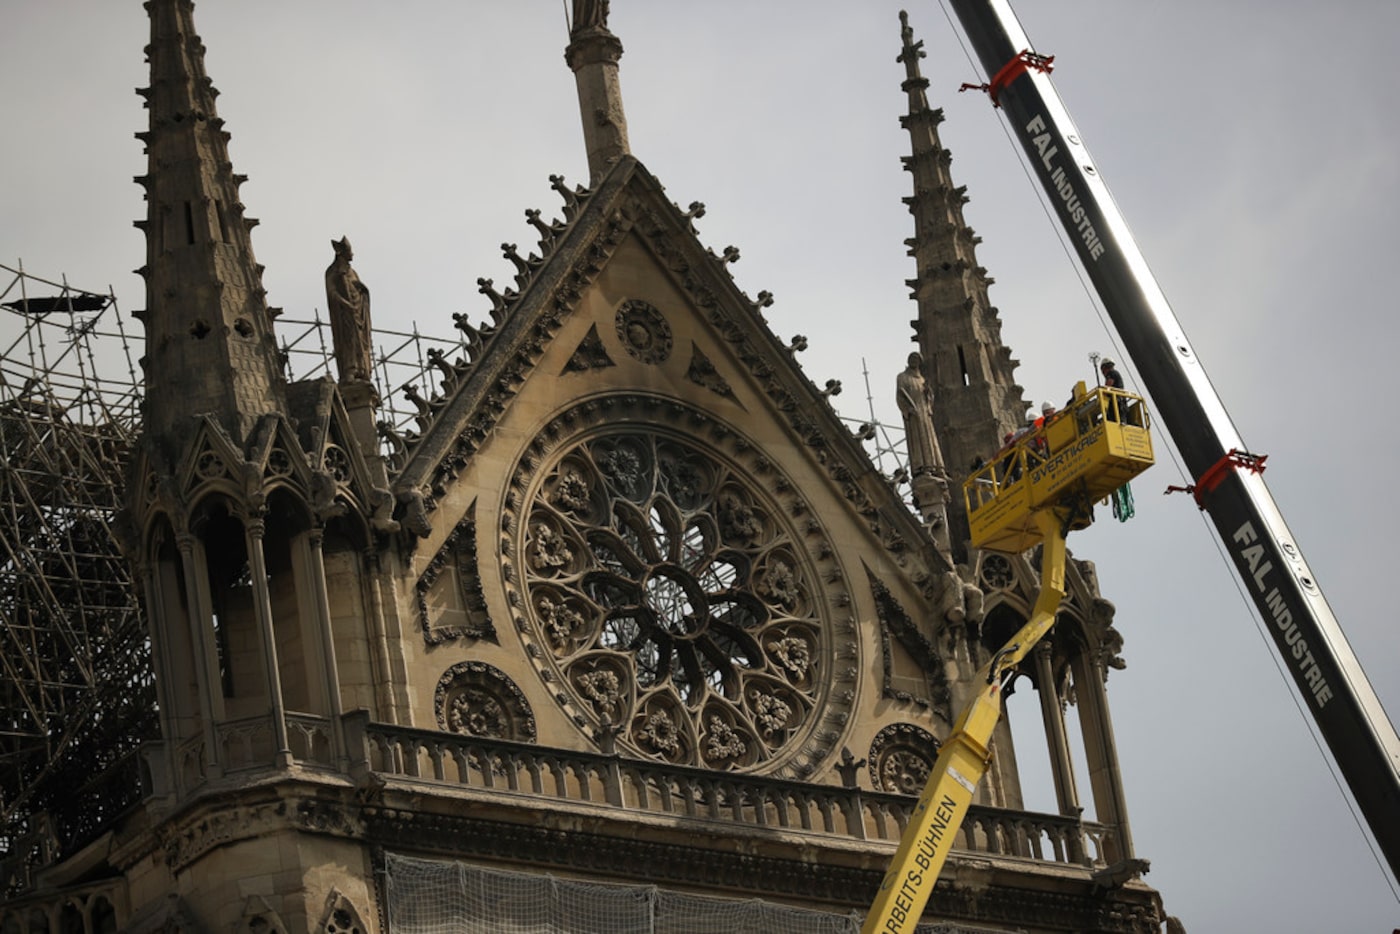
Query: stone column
(1061,767)
(1101,750)
(593,53)
(379,647)
(163,776)
(254,530)
(160,648)
(321,597)
(201,623)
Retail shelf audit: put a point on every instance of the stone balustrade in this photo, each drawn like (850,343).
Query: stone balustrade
(503,767)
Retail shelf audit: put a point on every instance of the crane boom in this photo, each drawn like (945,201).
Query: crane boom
(1229,487)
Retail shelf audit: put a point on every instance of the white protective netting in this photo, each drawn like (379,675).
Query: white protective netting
(440,897)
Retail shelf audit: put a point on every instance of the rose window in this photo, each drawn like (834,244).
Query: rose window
(675,601)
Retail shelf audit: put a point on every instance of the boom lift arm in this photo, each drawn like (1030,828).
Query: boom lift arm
(963,758)
(1034,492)
(1326,671)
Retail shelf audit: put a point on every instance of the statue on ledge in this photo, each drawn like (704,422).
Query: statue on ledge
(347,304)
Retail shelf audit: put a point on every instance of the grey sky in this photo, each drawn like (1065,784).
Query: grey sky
(1252,147)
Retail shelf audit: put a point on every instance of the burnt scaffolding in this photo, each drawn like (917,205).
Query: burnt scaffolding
(77,695)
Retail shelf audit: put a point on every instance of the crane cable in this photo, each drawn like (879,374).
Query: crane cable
(1224,559)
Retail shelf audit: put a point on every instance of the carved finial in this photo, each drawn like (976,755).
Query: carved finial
(833,388)
(730,255)
(398,448)
(473,337)
(913,49)
(864,433)
(849,768)
(570,198)
(498,301)
(693,214)
(425,408)
(547,232)
(522,265)
(606,734)
(799,343)
(449,373)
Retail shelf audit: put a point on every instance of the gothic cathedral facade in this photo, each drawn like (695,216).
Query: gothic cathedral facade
(628,628)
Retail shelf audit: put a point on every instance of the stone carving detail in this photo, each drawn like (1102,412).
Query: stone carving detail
(590,355)
(997,573)
(602,686)
(644,332)
(590,14)
(896,624)
(802,404)
(184,842)
(526,346)
(210,466)
(915,401)
(659,732)
(703,373)
(479,700)
(260,918)
(724,743)
(336,463)
(279,463)
(340,916)
(458,553)
(673,595)
(955,597)
(347,305)
(901,756)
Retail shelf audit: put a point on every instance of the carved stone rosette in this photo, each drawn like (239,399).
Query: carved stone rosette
(644,332)
(901,756)
(480,700)
(667,591)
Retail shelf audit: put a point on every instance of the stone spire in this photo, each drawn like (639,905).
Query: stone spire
(593,53)
(970,371)
(209,342)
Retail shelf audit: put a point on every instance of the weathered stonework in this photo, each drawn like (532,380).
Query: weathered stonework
(593,613)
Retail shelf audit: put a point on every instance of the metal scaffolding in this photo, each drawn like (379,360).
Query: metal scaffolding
(76,692)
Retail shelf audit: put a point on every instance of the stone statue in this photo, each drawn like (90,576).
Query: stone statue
(915,401)
(590,13)
(347,304)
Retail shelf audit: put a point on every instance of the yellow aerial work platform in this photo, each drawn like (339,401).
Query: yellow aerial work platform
(1035,491)
(1085,452)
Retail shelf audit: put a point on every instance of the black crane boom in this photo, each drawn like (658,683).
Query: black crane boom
(1229,487)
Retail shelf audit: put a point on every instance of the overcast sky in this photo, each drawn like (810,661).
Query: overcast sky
(1252,147)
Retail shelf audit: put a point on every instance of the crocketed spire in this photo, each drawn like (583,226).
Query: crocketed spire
(209,340)
(970,371)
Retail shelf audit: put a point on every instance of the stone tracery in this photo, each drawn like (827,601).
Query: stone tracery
(675,600)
